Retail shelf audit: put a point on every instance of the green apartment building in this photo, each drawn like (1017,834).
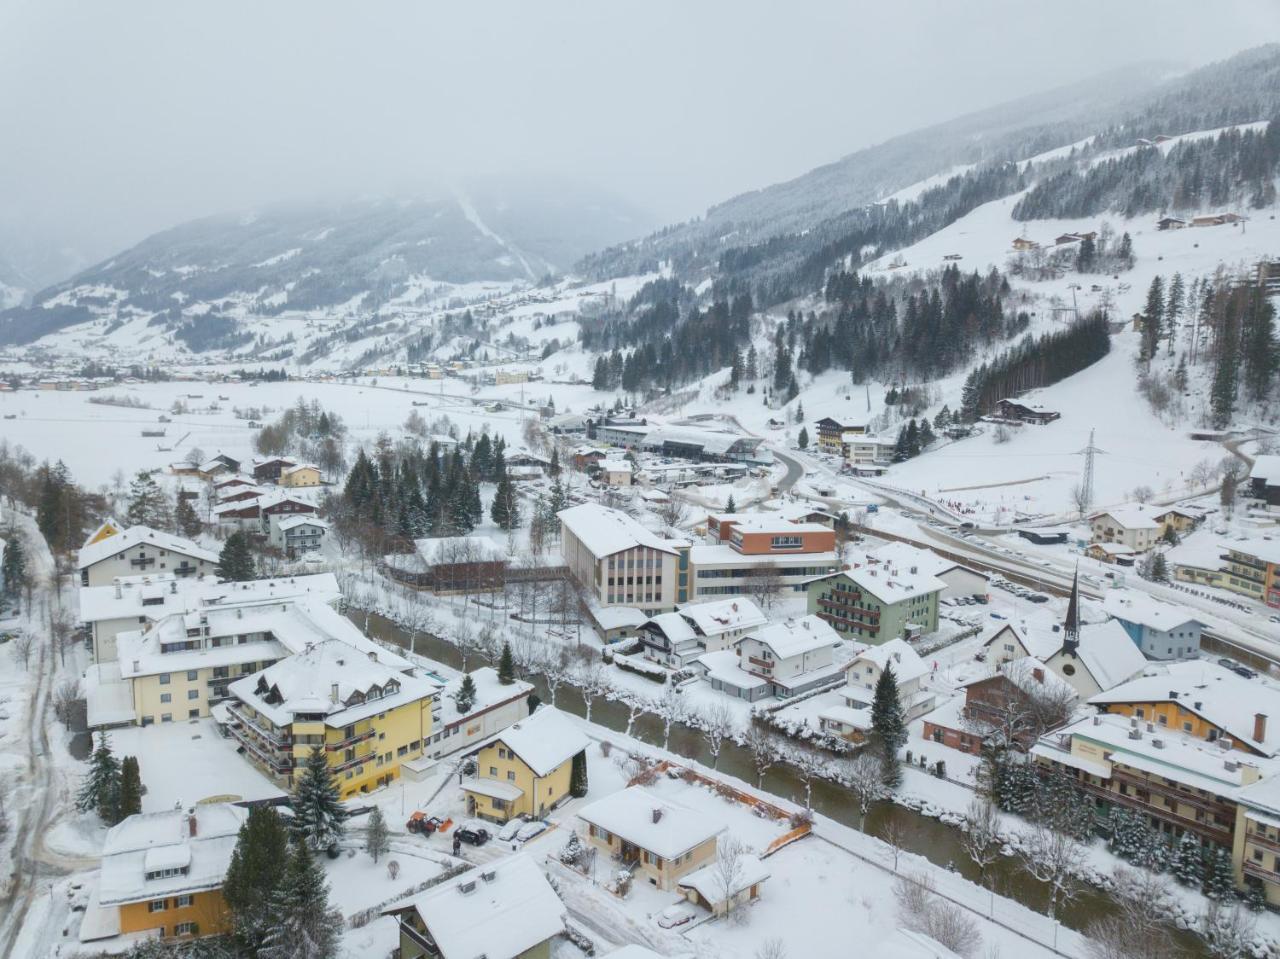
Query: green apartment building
(876,601)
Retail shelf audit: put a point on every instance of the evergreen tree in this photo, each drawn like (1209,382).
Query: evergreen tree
(186,520)
(1222,392)
(256,870)
(1219,881)
(100,789)
(804,438)
(1258,347)
(1188,861)
(554,467)
(1125,252)
(303,924)
(130,802)
(505,511)
(578,775)
(377,838)
(235,562)
(506,666)
(888,725)
(147,506)
(1087,255)
(730,506)
(1153,318)
(318,813)
(13,569)
(465,697)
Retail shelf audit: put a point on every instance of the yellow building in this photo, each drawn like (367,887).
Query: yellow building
(304,474)
(369,717)
(506,910)
(162,874)
(660,841)
(526,771)
(1256,852)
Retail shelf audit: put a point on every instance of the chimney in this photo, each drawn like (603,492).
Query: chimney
(1259,727)
(657,814)
(1038,673)
(191,825)
(119,593)
(333,693)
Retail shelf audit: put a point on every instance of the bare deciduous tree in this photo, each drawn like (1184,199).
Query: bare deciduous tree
(729,870)
(772,948)
(922,910)
(673,513)
(864,775)
(808,765)
(68,701)
(717,726)
(764,584)
(22,646)
(1081,499)
(670,708)
(1228,930)
(592,683)
(764,749)
(982,834)
(1054,857)
(1137,929)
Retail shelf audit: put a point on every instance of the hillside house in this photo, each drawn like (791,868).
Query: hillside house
(659,840)
(140,549)
(1264,479)
(1135,526)
(269,470)
(676,639)
(526,770)
(1170,223)
(297,535)
(162,874)
(1016,412)
(831,433)
(503,910)
(300,475)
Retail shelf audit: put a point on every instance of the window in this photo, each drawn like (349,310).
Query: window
(182,902)
(193,694)
(166,717)
(164,679)
(511,776)
(1068,669)
(157,905)
(166,697)
(193,675)
(185,929)
(193,714)
(493,770)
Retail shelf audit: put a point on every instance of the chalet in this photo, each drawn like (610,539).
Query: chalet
(451,564)
(659,840)
(269,470)
(140,549)
(1023,245)
(1135,526)
(297,534)
(1010,704)
(1170,223)
(503,910)
(677,638)
(831,433)
(300,475)
(526,770)
(851,719)
(1116,554)
(1217,219)
(1019,413)
(275,506)
(1066,238)
(1264,478)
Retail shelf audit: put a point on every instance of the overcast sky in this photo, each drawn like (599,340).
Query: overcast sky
(121,118)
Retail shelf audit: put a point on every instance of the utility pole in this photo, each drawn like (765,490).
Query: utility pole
(1086,481)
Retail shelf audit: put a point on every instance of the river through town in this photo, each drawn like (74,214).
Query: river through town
(928,837)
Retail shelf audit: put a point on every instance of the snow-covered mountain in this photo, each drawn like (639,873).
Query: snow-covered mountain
(202,279)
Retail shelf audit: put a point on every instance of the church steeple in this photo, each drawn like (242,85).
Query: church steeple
(1071,628)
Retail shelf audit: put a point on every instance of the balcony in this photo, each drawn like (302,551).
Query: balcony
(1258,839)
(1219,834)
(1210,806)
(272,737)
(1242,559)
(353,740)
(419,939)
(847,609)
(1260,871)
(281,766)
(354,761)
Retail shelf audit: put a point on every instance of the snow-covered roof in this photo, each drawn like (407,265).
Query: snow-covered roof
(277,497)
(1266,467)
(710,881)
(1134,606)
(1267,550)
(142,536)
(489,692)
(1033,677)
(905,556)
(794,638)
(724,666)
(292,522)
(1264,794)
(458,549)
(1198,552)
(151,842)
(544,741)
(711,441)
(1109,654)
(722,554)
(633,951)
(1113,549)
(156,596)
(890,582)
(906,662)
(1131,516)
(498,911)
(673,626)
(1216,694)
(723,615)
(606,531)
(1163,752)
(299,466)
(662,826)
(333,680)
(618,617)
(285,626)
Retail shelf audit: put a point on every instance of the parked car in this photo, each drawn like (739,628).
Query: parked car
(509,830)
(1244,671)
(472,835)
(1227,664)
(531,829)
(674,915)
